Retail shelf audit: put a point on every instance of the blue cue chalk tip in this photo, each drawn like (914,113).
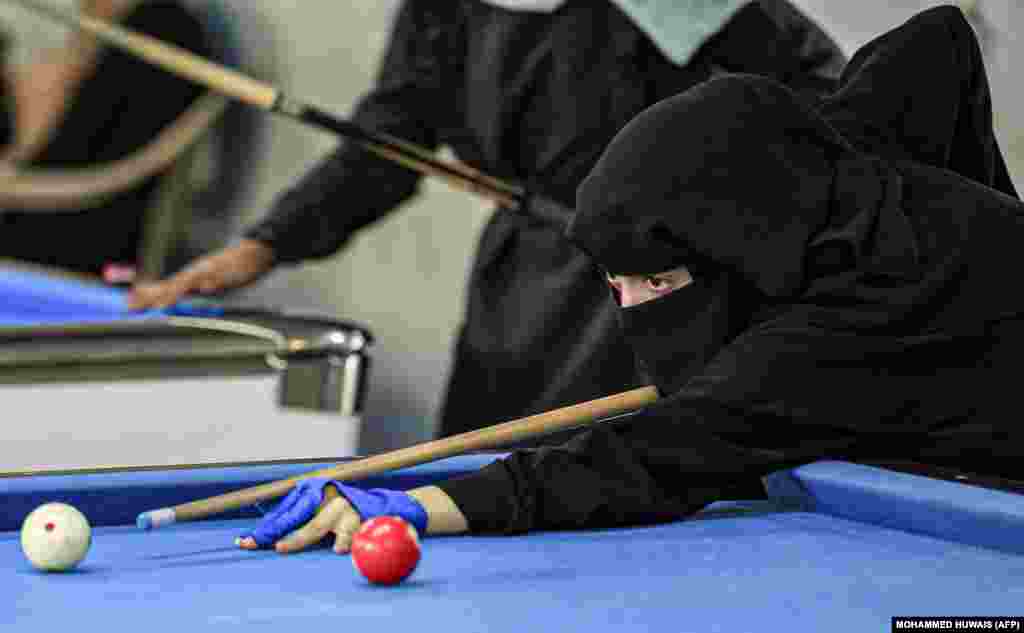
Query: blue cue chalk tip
(155,518)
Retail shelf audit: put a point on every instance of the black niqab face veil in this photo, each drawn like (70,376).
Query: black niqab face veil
(675,336)
(742,179)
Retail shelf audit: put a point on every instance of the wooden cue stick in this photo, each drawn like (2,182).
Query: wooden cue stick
(490,437)
(262,95)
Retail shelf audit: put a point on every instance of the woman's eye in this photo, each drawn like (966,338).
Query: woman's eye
(657,283)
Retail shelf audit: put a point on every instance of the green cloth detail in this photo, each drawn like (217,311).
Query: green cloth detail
(679,27)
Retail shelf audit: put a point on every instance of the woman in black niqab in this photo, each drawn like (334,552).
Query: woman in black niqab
(849,300)
(871,309)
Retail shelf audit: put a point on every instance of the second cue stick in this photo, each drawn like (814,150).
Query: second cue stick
(238,86)
(480,439)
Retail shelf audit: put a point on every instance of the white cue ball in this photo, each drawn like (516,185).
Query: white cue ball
(55,537)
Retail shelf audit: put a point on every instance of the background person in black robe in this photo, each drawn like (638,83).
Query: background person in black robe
(845,307)
(531,97)
(115,104)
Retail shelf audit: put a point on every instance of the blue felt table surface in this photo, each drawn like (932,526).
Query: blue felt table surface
(865,547)
(30,298)
(762,572)
(739,566)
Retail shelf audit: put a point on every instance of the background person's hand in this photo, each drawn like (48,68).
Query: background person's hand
(229,268)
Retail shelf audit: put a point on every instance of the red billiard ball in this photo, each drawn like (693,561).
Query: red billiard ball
(386,550)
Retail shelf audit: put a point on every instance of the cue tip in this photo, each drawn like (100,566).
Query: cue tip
(155,518)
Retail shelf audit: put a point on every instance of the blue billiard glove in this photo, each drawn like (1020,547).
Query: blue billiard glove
(302,503)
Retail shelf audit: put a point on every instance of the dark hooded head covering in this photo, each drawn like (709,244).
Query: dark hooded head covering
(772,208)
(735,171)
(732,179)
(768,201)
(942,119)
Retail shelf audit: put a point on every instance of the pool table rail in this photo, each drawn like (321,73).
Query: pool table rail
(323,363)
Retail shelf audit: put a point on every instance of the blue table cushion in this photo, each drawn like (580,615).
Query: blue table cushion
(911,503)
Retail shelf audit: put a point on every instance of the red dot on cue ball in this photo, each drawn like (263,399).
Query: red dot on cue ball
(386,550)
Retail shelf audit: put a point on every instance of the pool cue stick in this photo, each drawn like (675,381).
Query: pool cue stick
(236,85)
(480,439)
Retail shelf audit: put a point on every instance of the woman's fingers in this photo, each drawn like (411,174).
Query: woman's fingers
(335,517)
(345,529)
(294,511)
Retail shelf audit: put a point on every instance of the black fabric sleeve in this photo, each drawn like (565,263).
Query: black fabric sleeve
(773,38)
(352,188)
(773,399)
(606,477)
(126,101)
(665,462)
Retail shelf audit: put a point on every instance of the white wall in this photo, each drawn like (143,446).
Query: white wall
(29,33)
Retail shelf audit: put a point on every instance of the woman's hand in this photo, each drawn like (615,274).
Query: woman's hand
(318,507)
(335,515)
